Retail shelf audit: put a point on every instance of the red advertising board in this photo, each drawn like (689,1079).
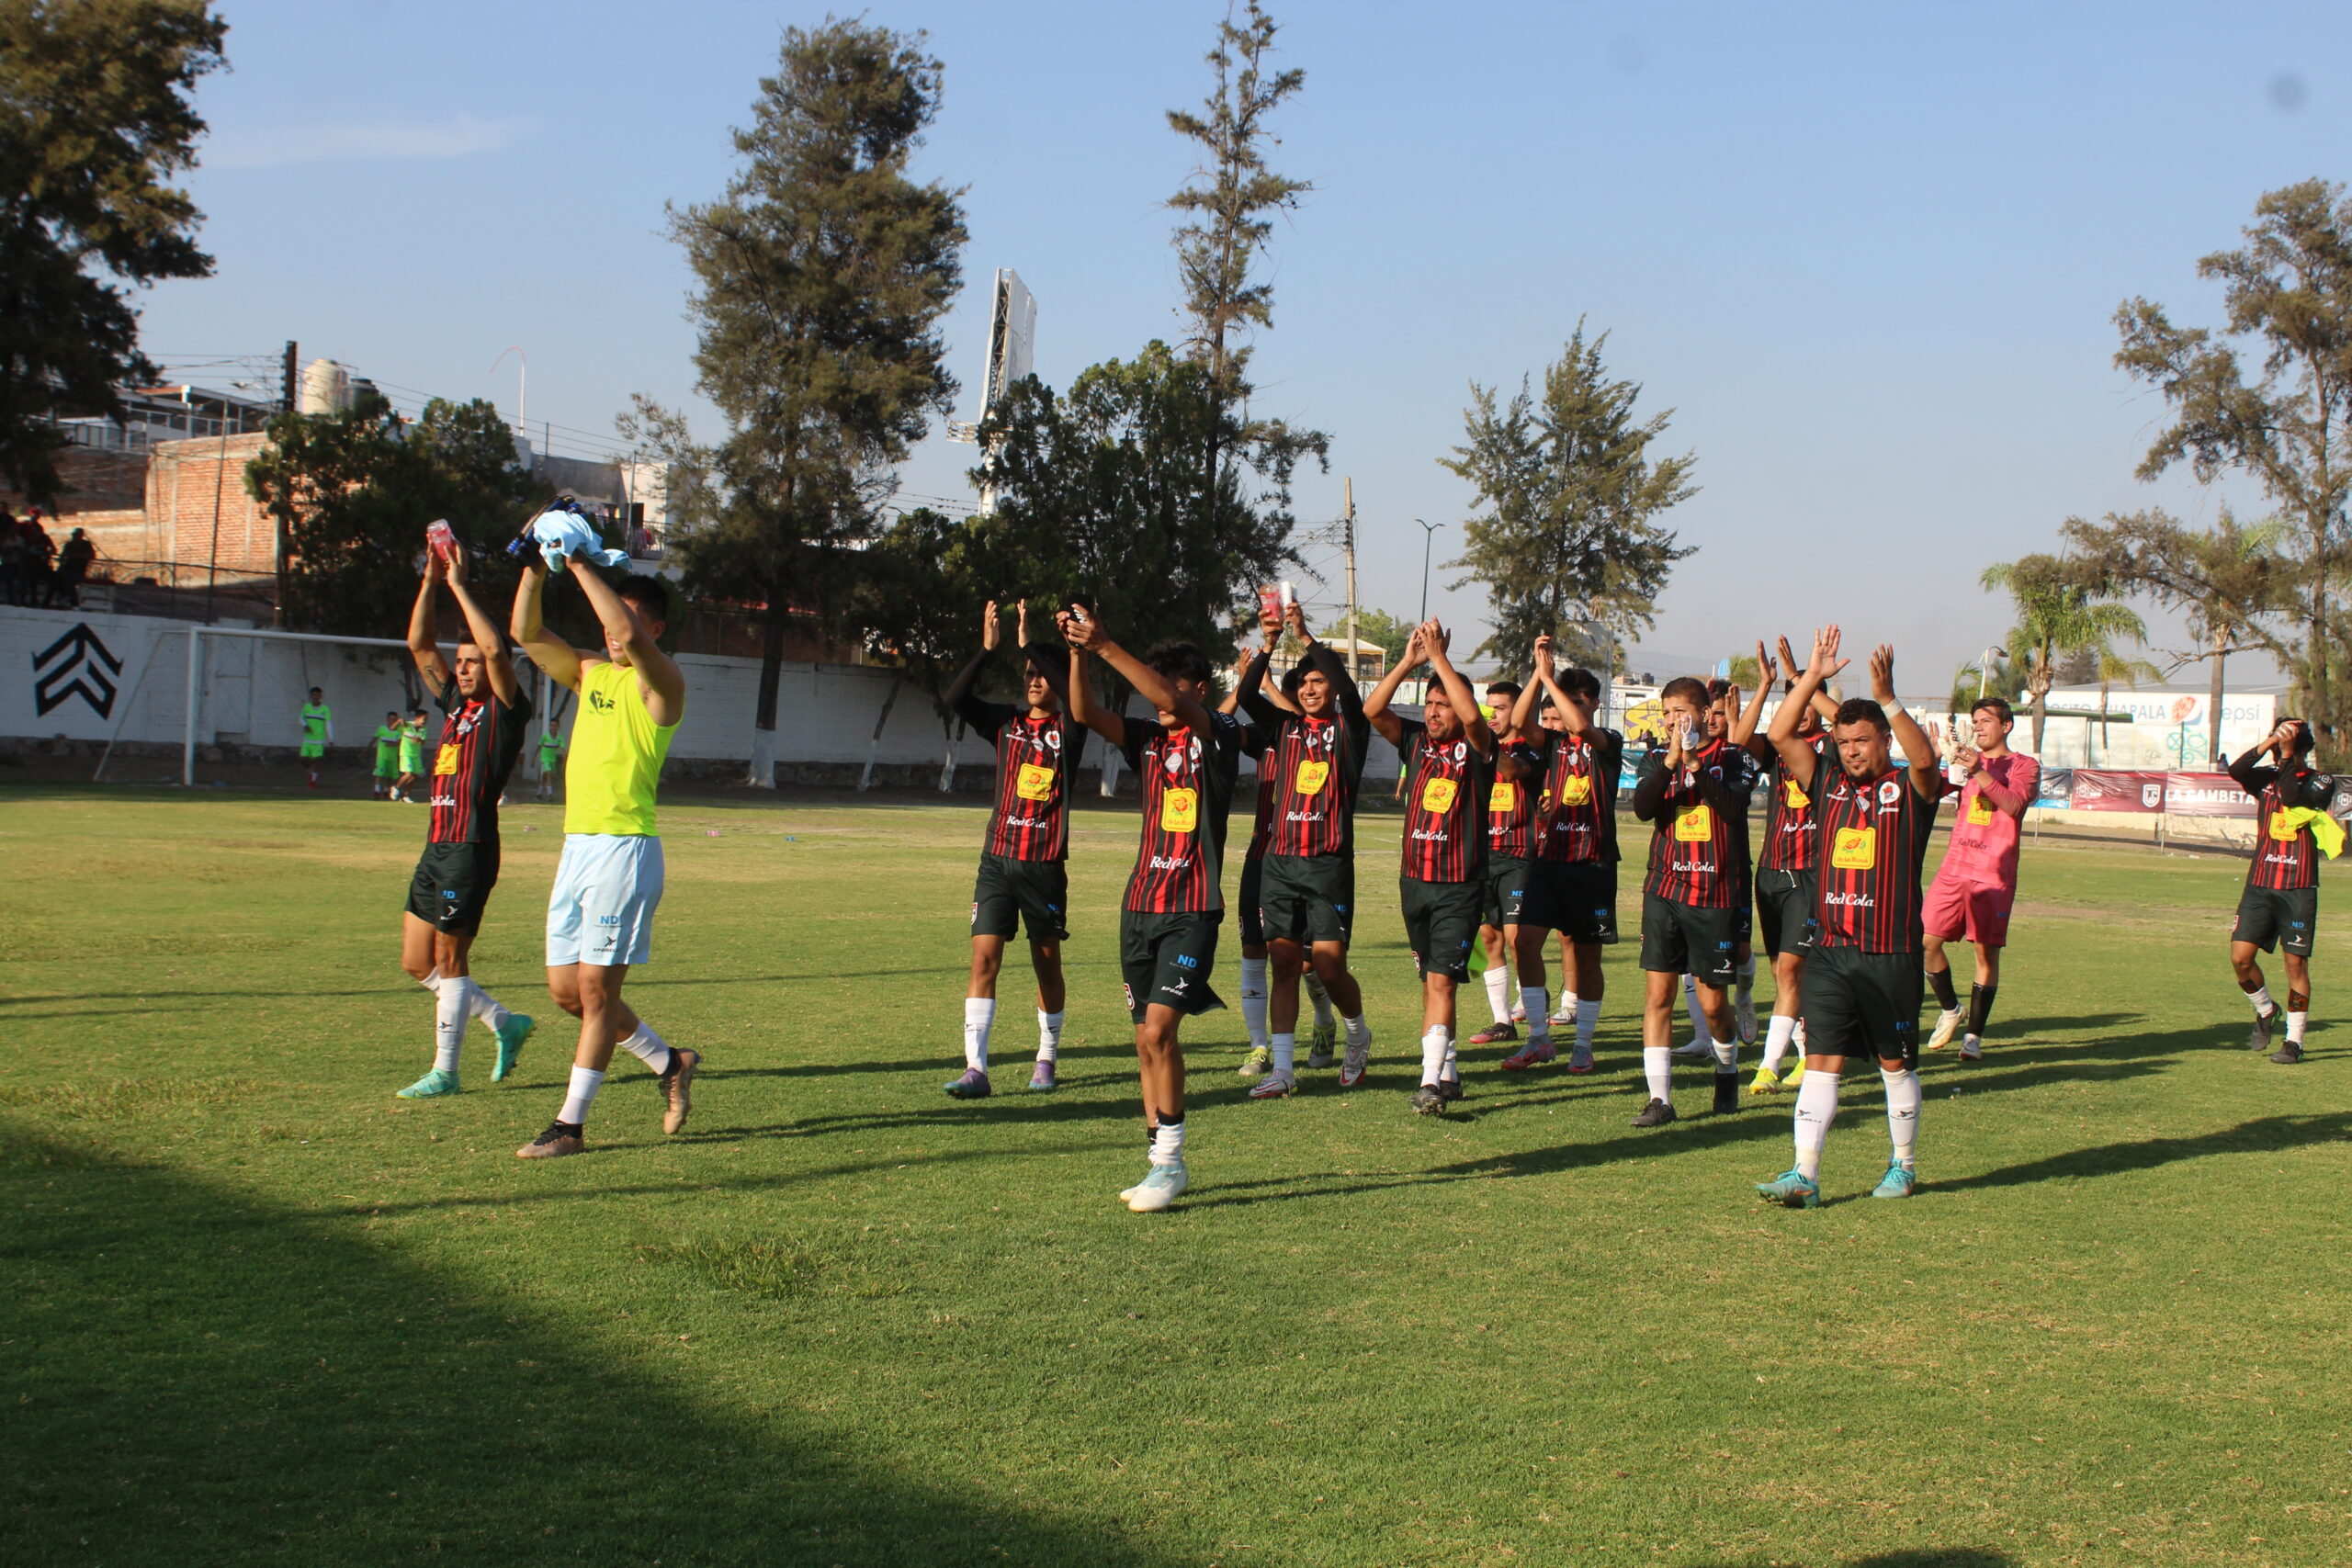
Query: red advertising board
(2176,794)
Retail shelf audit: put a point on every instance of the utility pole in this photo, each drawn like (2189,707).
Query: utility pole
(1347,494)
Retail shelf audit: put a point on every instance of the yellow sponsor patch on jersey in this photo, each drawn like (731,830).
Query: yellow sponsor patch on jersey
(1576,790)
(1312,777)
(1694,823)
(1180,809)
(2282,829)
(1980,813)
(1856,848)
(445,761)
(1794,793)
(1505,797)
(1033,783)
(1437,795)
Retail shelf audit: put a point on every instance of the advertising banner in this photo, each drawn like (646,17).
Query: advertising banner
(2175,794)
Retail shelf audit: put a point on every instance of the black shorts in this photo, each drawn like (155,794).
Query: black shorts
(1510,882)
(1862,1005)
(452,886)
(1307,898)
(1784,910)
(1168,959)
(1579,899)
(2279,917)
(1441,922)
(1253,927)
(1683,939)
(1010,893)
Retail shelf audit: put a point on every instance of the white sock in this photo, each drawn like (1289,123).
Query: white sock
(484,1006)
(2295,1022)
(1318,996)
(1777,1036)
(1796,1041)
(1433,1048)
(648,1047)
(1588,1019)
(585,1082)
(450,1020)
(1452,1071)
(1286,1047)
(2259,997)
(1358,1031)
(1726,1053)
(1499,993)
(1902,1114)
(1659,1067)
(432,982)
(1253,999)
(1700,1033)
(1168,1144)
(979,1017)
(1049,1035)
(1537,1003)
(1746,975)
(1816,1108)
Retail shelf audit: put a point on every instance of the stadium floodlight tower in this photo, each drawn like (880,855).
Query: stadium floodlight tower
(1013,337)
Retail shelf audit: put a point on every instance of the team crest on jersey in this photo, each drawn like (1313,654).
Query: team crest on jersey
(1053,741)
(1460,750)
(1890,791)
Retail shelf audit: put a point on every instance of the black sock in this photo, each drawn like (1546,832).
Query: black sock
(1175,1121)
(1980,1007)
(1945,997)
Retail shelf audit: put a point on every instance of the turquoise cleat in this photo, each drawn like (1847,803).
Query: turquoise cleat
(1898,1182)
(432,1086)
(1792,1189)
(511,1035)
(1154,1192)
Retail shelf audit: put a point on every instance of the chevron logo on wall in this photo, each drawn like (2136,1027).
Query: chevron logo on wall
(77,664)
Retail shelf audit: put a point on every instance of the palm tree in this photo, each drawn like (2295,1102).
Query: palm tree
(2114,667)
(2062,607)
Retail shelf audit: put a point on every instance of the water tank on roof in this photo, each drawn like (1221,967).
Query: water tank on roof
(326,388)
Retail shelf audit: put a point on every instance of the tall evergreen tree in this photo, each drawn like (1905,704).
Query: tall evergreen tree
(822,275)
(1569,545)
(94,120)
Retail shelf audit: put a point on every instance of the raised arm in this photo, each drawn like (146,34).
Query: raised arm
(1435,644)
(1376,708)
(550,652)
(1337,670)
(658,674)
(1742,730)
(2004,799)
(1085,631)
(421,645)
(986,717)
(1084,709)
(1922,757)
(1522,711)
(497,663)
(1797,757)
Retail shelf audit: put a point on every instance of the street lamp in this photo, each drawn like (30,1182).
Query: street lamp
(1428,536)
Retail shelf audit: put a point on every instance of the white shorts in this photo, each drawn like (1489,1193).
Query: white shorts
(601,912)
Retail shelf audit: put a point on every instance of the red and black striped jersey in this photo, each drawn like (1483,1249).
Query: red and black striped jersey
(1510,802)
(479,740)
(1790,840)
(1316,764)
(1699,833)
(1034,760)
(1261,825)
(1871,856)
(1187,786)
(1577,815)
(2285,855)
(1445,806)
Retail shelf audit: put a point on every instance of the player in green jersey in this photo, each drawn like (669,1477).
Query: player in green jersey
(387,754)
(318,733)
(550,758)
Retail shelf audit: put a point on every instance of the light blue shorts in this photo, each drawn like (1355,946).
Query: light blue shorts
(601,912)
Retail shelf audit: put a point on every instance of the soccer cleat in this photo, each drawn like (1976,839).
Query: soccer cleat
(1744,1012)
(1494,1034)
(511,1035)
(1971,1049)
(973,1085)
(1898,1182)
(1326,1040)
(1518,1015)
(1766,1081)
(1274,1085)
(432,1086)
(555,1143)
(1695,1051)
(1535,1052)
(1795,1075)
(677,1088)
(1428,1099)
(1258,1062)
(1359,1057)
(1580,1061)
(1657,1113)
(1792,1189)
(1727,1092)
(2287,1053)
(1450,1090)
(1947,1025)
(1043,1076)
(2260,1039)
(1563,1015)
(1157,1190)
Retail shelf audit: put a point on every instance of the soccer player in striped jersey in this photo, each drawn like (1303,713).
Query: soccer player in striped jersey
(1728,723)
(1511,865)
(487,717)
(1250,676)
(1449,756)
(1308,877)
(1025,876)
(1977,883)
(1862,983)
(1785,877)
(1694,791)
(1186,760)
(2281,905)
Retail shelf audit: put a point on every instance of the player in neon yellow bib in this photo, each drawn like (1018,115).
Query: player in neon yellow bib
(608,882)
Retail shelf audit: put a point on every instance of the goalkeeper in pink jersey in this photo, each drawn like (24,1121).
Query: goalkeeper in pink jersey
(1977,883)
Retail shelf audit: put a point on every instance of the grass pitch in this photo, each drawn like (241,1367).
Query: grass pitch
(260,1311)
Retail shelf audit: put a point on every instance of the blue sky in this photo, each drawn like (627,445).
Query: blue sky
(1869,254)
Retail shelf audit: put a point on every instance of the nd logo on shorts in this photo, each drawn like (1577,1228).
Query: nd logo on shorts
(1694,823)
(1577,790)
(1311,777)
(1437,795)
(1856,848)
(1180,809)
(1034,782)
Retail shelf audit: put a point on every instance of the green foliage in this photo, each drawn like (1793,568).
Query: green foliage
(2064,608)
(2282,415)
(911,602)
(1377,627)
(1568,543)
(94,120)
(353,492)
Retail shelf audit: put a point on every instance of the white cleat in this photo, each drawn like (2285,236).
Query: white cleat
(1696,1050)
(1355,1063)
(1156,1192)
(1947,1025)
(1274,1085)
(1744,1012)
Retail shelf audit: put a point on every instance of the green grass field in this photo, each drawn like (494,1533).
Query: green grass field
(260,1311)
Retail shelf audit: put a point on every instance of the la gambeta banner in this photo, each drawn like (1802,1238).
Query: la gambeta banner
(2174,794)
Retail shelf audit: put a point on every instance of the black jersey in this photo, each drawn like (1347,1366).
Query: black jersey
(481,738)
